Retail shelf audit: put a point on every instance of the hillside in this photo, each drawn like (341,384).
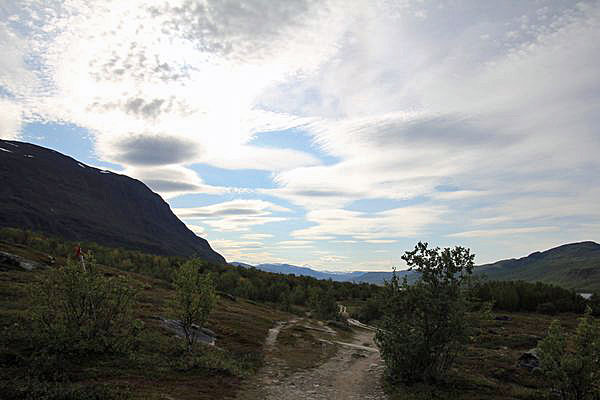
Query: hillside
(375,277)
(573,266)
(46,191)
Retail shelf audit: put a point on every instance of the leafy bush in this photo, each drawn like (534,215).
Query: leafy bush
(195,298)
(77,312)
(324,305)
(425,325)
(595,304)
(573,374)
(547,308)
(370,311)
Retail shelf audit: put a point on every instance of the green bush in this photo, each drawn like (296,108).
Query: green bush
(425,325)
(369,311)
(547,308)
(574,372)
(595,304)
(323,303)
(77,312)
(195,297)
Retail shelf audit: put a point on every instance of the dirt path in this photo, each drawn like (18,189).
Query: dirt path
(354,372)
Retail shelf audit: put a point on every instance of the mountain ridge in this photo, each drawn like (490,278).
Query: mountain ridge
(571,265)
(51,192)
(354,276)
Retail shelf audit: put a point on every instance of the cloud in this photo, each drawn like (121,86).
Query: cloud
(504,231)
(295,243)
(399,99)
(15,76)
(398,223)
(234,215)
(173,180)
(197,229)
(10,120)
(256,236)
(177,81)
(230,244)
(152,150)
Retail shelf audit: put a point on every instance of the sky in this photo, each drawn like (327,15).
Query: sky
(335,134)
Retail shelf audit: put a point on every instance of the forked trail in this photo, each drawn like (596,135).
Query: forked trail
(352,372)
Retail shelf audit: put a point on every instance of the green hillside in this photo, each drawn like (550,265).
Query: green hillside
(573,266)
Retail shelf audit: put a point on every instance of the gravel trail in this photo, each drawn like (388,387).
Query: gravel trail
(353,373)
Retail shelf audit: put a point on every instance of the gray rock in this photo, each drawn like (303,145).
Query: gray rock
(202,335)
(530,359)
(13,261)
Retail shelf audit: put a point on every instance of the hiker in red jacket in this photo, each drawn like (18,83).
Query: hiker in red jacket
(79,256)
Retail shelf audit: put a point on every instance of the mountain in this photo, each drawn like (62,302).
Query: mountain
(355,276)
(573,266)
(378,277)
(46,191)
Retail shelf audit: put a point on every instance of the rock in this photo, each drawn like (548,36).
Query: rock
(12,261)
(202,334)
(227,296)
(529,360)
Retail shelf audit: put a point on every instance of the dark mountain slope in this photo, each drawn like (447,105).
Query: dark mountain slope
(574,266)
(46,191)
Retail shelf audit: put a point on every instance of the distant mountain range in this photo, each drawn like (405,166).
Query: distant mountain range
(49,192)
(355,276)
(573,266)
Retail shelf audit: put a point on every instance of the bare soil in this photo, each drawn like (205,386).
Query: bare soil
(352,370)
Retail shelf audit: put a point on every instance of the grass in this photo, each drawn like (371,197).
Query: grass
(488,369)
(159,369)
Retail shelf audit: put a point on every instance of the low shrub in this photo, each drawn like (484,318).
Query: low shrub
(79,312)
(573,372)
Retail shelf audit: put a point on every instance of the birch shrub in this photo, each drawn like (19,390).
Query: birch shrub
(425,325)
(573,370)
(195,297)
(77,312)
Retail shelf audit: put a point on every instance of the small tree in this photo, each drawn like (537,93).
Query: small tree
(425,325)
(195,297)
(573,374)
(324,305)
(78,311)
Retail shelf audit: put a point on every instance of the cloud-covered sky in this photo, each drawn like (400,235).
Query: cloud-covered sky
(330,133)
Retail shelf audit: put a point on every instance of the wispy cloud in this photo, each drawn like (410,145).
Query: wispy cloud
(234,215)
(504,231)
(477,120)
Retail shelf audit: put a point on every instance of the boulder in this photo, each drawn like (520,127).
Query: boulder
(530,360)
(13,261)
(201,334)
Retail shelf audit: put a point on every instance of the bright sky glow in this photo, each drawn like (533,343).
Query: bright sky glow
(330,133)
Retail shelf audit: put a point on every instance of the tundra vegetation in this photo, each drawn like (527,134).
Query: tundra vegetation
(122,350)
(425,325)
(77,312)
(195,297)
(573,369)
